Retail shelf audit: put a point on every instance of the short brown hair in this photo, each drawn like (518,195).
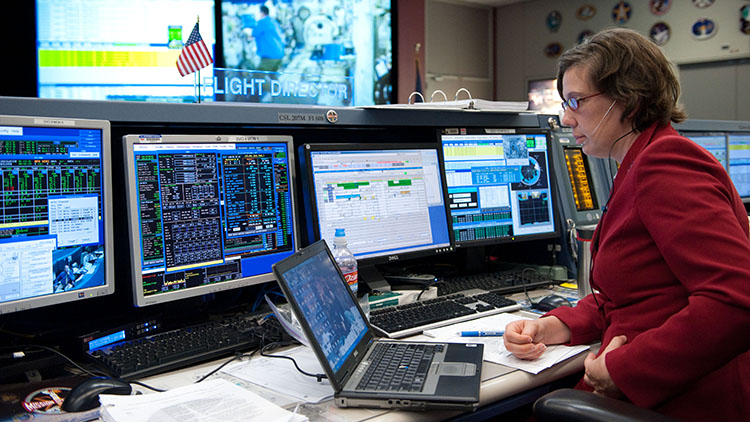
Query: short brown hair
(629,68)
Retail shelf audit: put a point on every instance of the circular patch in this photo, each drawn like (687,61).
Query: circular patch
(702,4)
(553,50)
(586,12)
(704,29)
(332,116)
(745,19)
(554,20)
(621,12)
(660,33)
(659,7)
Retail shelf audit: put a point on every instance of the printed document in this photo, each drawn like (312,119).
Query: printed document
(210,401)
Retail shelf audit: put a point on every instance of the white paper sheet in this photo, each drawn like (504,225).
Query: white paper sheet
(215,400)
(281,375)
(494,349)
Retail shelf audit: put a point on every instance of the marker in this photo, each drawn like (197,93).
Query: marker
(481,333)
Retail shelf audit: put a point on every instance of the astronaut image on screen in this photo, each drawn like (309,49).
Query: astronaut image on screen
(327,52)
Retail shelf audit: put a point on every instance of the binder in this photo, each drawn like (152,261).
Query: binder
(468,104)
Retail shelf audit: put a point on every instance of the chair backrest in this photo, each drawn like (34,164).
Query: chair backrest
(568,405)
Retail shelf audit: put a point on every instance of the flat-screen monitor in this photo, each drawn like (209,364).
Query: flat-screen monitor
(390,199)
(118,50)
(543,96)
(713,142)
(56,215)
(324,52)
(739,162)
(499,184)
(207,213)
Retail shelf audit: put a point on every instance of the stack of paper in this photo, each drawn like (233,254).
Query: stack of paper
(216,400)
(494,349)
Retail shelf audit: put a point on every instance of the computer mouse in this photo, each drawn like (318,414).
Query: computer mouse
(85,396)
(551,302)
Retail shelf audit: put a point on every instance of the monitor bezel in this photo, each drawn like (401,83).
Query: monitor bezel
(552,183)
(108,288)
(729,134)
(129,141)
(312,219)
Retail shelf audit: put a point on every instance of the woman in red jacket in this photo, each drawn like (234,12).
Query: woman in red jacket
(671,254)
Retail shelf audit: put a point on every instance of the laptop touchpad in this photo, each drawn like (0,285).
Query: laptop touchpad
(459,369)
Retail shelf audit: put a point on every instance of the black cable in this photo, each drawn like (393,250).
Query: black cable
(274,345)
(237,355)
(525,291)
(158,390)
(427,287)
(57,352)
(604,211)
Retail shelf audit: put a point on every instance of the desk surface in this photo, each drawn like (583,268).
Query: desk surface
(498,383)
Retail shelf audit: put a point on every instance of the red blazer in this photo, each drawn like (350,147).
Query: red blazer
(671,262)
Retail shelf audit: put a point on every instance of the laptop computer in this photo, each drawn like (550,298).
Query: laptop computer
(363,370)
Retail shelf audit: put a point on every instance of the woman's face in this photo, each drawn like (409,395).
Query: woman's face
(596,123)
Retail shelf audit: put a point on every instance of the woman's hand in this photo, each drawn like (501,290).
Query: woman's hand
(527,339)
(596,373)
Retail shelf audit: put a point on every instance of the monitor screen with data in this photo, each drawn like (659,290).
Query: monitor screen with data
(56,216)
(118,50)
(390,199)
(715,143)
(499,184)
(581,182)
(207,213)
(739,162)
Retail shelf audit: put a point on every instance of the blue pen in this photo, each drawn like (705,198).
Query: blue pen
(481,333)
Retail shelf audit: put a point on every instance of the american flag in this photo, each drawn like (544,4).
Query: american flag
(194,55)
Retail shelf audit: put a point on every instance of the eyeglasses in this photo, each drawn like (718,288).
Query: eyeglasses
(573,102)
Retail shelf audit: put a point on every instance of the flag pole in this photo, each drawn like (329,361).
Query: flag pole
(198,74)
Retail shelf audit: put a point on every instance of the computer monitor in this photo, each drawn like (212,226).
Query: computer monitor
(118,50)
(582,182)
(390,199)
(739,162)
(499,184)
(56,215)
(713,142)
(207,213)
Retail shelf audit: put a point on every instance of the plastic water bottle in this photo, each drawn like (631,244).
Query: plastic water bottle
(345,260)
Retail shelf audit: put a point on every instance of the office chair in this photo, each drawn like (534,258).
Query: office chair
(568,405)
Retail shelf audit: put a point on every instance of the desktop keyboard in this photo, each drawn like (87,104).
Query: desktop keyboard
(158,353)
(500,282)
(413,318)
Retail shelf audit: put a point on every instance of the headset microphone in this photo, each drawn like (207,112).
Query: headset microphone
(603,117)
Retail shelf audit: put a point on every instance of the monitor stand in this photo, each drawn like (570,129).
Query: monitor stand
(371,276)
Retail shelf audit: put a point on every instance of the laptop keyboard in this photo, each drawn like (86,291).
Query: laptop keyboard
(413,318)
(398,367)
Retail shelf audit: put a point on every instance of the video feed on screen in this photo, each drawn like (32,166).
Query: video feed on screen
(326,52)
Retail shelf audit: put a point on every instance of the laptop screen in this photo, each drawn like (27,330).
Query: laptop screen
(328,307)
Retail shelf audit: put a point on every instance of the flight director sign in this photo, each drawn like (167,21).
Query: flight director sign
(254,86)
